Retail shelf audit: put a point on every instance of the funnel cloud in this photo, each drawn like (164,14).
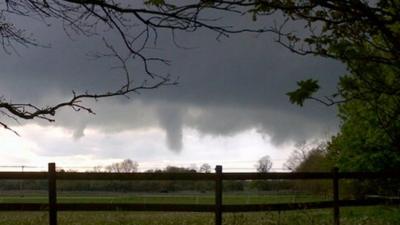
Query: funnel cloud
(225,87)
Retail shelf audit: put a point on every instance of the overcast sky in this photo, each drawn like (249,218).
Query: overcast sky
(229,108)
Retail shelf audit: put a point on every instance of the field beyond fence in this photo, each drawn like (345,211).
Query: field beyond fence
(218,205)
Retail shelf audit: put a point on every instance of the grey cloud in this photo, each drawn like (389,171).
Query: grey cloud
(225,86)
(279,125)
(216,120)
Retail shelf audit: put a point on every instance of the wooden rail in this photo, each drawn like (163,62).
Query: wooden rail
(218,208)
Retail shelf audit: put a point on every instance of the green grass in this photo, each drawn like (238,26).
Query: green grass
(163,198)
(349,216)
(378,215)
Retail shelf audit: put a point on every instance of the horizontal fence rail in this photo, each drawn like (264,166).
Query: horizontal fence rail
(195,176)
(217,208)
(24,175)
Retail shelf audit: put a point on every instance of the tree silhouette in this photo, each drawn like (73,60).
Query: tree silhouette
(264,164)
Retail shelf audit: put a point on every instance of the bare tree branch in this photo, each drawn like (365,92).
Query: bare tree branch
(335,29)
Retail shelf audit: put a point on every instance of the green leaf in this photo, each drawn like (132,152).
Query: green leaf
(305,90)
(155,2)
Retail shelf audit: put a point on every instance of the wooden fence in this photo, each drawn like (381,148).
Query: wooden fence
(218,208)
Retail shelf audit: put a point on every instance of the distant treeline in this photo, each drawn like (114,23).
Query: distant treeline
(160,186)
(314,160)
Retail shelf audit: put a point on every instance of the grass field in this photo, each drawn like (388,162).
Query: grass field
(379,215)
(349,216)
(179,198)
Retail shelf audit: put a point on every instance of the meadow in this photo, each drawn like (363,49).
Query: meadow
(173,198)
(377,215)
(349,216)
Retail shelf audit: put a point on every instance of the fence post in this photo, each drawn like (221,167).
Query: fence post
(52,194)
(336,216)
(218,195)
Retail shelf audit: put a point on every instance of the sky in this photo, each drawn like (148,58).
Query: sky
(230,106)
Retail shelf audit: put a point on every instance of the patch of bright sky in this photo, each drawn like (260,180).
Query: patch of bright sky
(39,145)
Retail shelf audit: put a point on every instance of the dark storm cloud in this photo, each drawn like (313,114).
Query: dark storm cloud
(225,87)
